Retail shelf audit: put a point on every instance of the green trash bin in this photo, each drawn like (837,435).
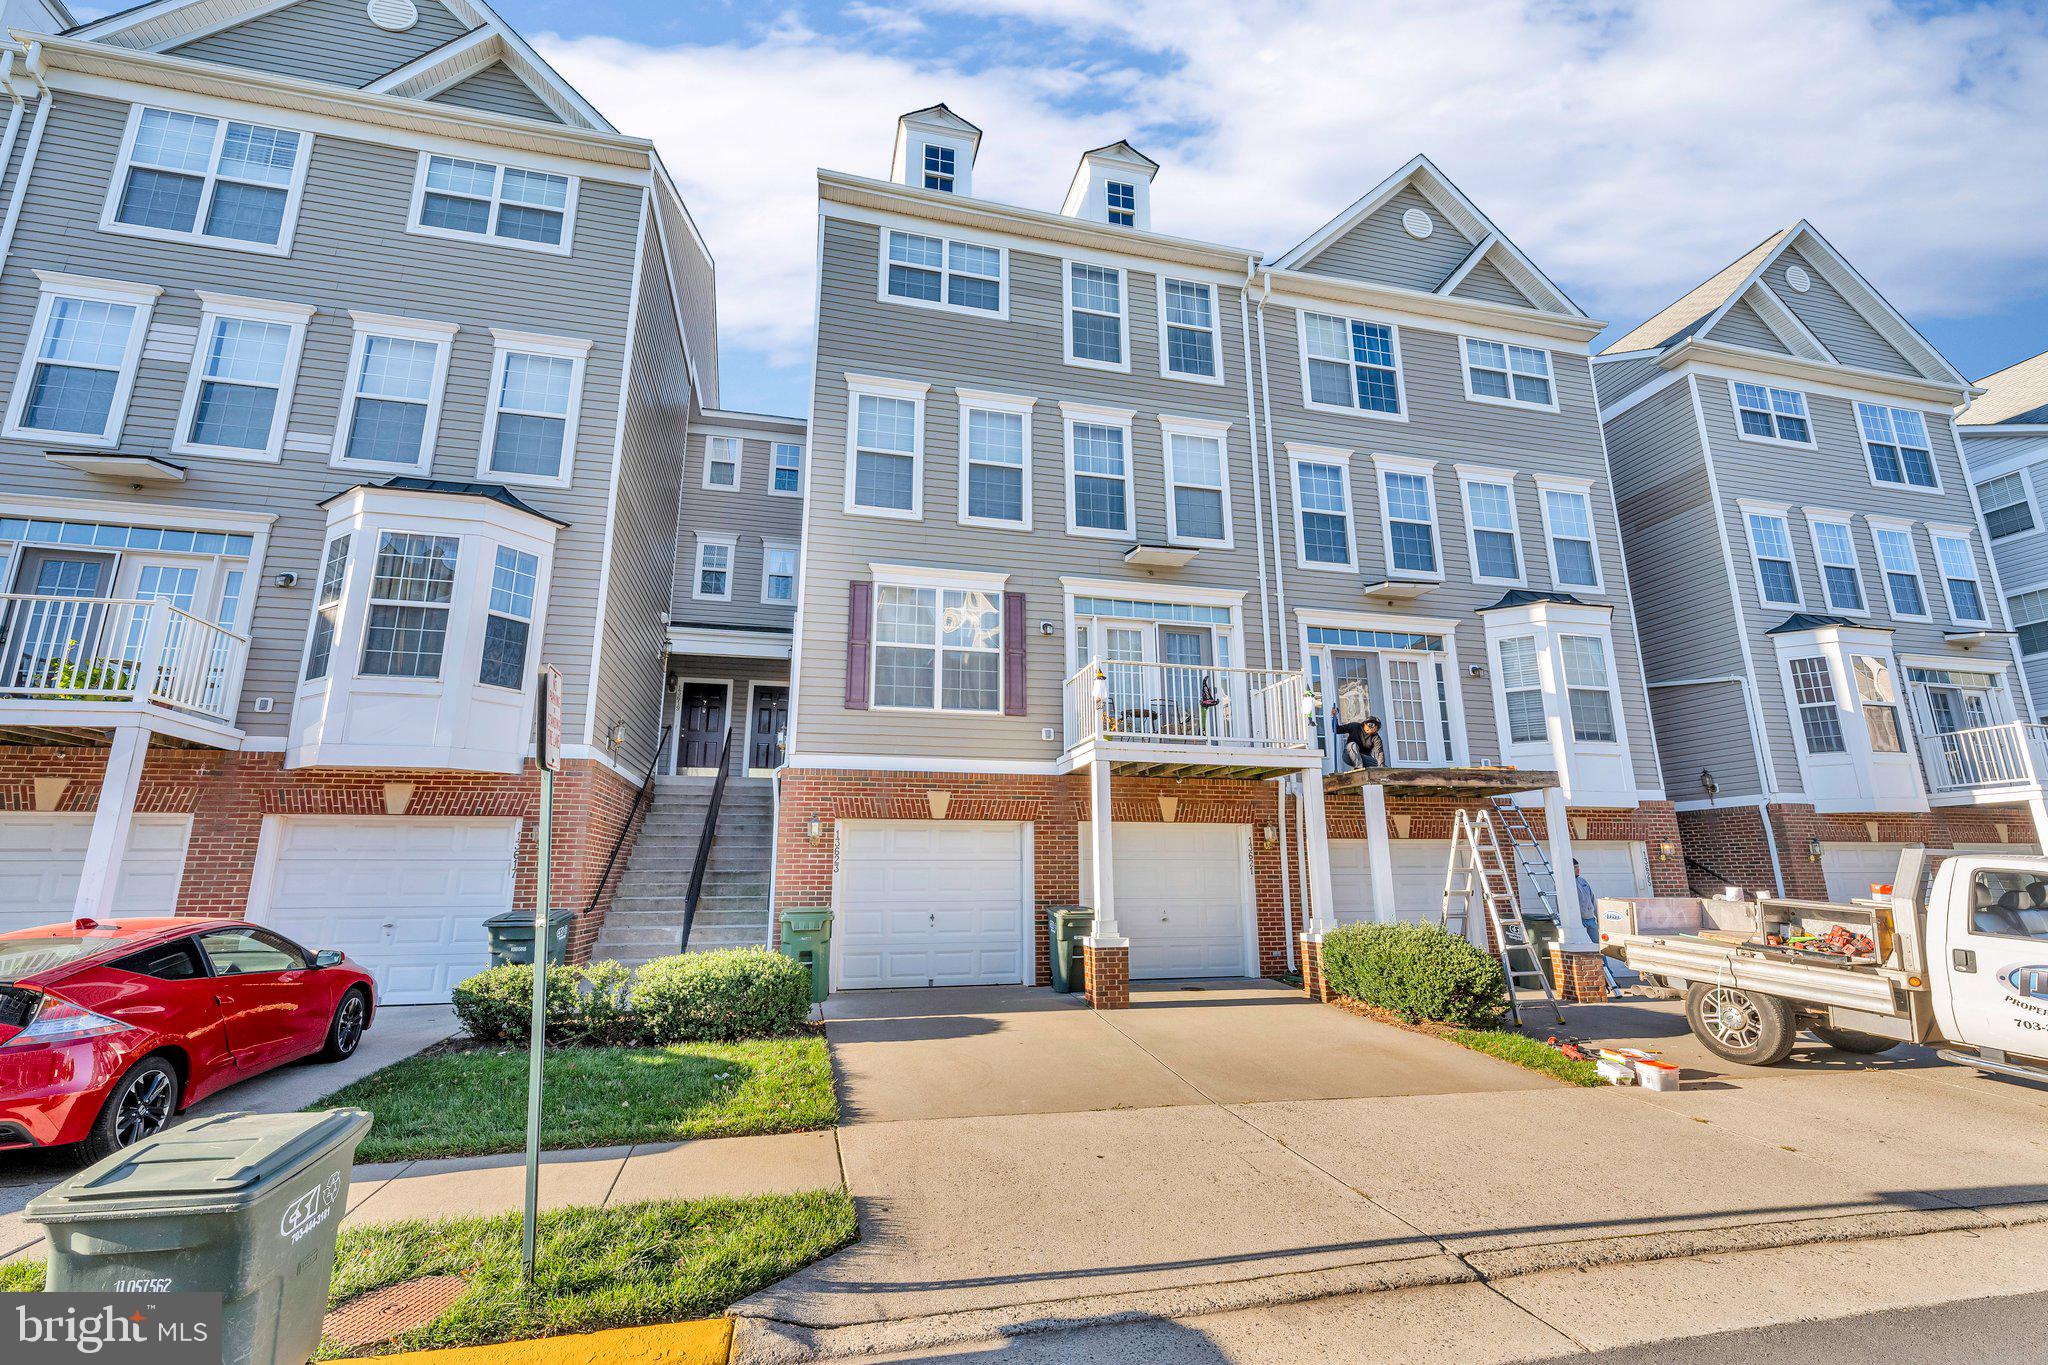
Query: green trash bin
(244,1205)
(1070,924)
(511,936)
(807,937)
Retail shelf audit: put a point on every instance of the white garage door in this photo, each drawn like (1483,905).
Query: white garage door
(41,856)
(407,899)
(2017,848)
(1183,897)
(930,903)
(1611,869)
(1851,869)
(1419,866)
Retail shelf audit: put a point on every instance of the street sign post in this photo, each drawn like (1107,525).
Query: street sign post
(548,749)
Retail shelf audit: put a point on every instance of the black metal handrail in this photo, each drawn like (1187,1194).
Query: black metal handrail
(704,840)
(646,786)
(1720,878)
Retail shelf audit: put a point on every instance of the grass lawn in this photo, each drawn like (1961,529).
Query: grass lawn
(1524,1051)
(21,1277)
(471,1103)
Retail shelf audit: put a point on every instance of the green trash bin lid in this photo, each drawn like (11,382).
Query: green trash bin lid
(805,920)
(523,919)
(214,1165)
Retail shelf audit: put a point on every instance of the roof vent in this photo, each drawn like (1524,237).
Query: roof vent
(1418,224)
(1796,276)
(396,16)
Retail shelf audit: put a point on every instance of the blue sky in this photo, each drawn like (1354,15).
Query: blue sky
(1631,149)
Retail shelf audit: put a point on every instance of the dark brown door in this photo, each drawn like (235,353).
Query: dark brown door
(703,737)
(764,737)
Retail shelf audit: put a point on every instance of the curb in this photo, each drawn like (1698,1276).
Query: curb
(706,1341)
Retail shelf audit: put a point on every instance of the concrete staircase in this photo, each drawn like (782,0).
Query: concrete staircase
(646,919)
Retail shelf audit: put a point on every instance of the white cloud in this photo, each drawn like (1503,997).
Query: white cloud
(1630,149)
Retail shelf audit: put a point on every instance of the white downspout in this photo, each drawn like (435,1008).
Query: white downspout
(1272,488)
(44,99)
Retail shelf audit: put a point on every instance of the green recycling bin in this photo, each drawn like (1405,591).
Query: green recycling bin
(1070,924)
(511,936)
(244,1205)
(807,937)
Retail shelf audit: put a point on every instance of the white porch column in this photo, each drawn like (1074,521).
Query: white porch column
(1572,936)
(1102,861)
(99,883)
(1315,840)
(1379,855)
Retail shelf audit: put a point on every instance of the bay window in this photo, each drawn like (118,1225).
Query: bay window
(1879,697)
(1521,683)
(411,585)
(1820,719)
(196,178)
(327,607)
(1587,689)
(509,619)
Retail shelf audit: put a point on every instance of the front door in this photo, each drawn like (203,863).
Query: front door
(700,741)
(1188,697)
(764,734)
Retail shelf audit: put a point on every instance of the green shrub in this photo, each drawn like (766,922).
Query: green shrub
(721,997)
(586,1005)
(1419,971)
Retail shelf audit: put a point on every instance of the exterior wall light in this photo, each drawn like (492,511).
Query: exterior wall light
(814,829)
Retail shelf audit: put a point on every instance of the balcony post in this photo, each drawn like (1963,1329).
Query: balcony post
(1102,858)
(1557,825)
(151,650)
(1315,841)
(99,883)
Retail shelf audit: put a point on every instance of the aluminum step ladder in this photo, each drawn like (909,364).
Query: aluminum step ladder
(1478,871)
(1534,860)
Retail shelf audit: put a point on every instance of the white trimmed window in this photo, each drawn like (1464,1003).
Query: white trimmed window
(1190,345)
(327,608)
(2030,620)
(1501,372)
(943,273)
(1841,574)
(787,476)
(1813,693)
(1770,552)
(721,462)
(885,462)
(79,365)
(391,404)
(713,582)
(480,200)
(536,392)
(1322,503)
(1408,517)
(1879,697)
(938,648)
(411,587)
(1521,685)
(212,180)
(1959,578)
(1197,482)
(1589,691)
(995,460)
(508,621)
(1568,532)
(1098,472)
(1490,521)
(778,573)
(1901,565)
(1350,365)
(1121,199)
(2008,505)
(1096,312)
(1900,452)
(1763,413)
(240,390)
(941,165)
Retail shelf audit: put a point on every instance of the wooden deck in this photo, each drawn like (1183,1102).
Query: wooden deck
(1454,782)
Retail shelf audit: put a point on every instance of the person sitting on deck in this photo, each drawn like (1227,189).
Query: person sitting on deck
(1364,747)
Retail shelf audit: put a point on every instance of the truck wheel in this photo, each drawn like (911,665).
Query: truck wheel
(1848,1040)
(1741,1026)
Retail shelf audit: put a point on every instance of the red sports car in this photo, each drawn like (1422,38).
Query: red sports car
(109,1028)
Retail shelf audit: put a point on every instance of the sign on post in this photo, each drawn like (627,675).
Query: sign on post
(549,721)
(548,750)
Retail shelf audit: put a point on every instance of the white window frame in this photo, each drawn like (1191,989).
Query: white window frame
(1816,519)
(414,227)
(213,308)
(1000,313)
(1879,526)
(1383,465)
(1927,422)
(1535,642)
(774,547)
(1605,639)
(439,334)
(1215,330)
(530,620)
(1123,298)
(732,567)
(2022,476)
(1546,484)
(1957,535)
(948,172)
(295,191)
(1297,456)
(984,400)
(56,285)
(505,344)
(1805,414)
(738,462)
(1783,516)
(940,581)
(2036,596)
(1834,702)
(1125,418)
(1549,375)
(1205,429)
(1400,414)
(877,386)
(1468,477)
(775,449)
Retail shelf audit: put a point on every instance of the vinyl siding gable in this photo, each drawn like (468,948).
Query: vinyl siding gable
(1847,334)
(325,40)
(1381,251)
(1486,282)
(1742,326)
(496,90)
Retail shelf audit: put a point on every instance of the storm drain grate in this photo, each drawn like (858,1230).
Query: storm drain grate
(385,1313)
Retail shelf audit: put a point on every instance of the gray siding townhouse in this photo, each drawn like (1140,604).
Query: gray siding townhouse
(1109,531)
(1829,657)
(2005,448)
(348,357)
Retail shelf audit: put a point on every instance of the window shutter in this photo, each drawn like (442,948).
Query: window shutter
(859,624)
(1015,702)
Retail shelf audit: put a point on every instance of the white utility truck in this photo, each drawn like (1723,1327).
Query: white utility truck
(1955,955)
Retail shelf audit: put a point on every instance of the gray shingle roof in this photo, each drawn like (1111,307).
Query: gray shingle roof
(1680,318)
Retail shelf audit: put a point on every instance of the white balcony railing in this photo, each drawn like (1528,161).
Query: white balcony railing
(97,649)
(2014,754)
(1191,705)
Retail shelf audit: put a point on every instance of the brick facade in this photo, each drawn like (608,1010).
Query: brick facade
(1577,978)
(1106,977)
(228,795)
(1727,847)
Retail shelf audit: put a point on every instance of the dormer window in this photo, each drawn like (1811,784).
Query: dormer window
(939,164)
(1122,200)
